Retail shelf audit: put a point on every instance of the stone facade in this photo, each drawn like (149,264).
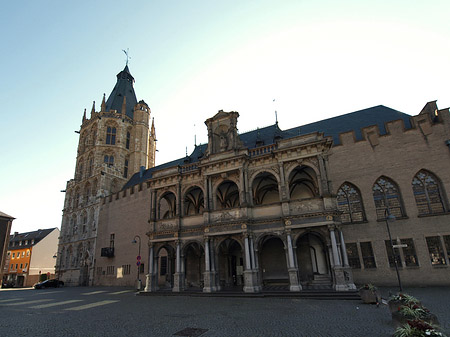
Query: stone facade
(114,143)
(304,208)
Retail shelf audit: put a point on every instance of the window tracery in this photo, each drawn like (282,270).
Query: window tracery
(427,193)
(350,203)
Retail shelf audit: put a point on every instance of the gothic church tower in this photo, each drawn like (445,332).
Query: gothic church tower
(114,143)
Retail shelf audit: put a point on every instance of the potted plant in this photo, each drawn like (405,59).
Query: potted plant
(370,294)
(400,299)
(411,312)
(417,328)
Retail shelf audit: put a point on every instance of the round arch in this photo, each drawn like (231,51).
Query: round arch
(303,182)
(194,200)
(226,195)
(167,208)
(265,188)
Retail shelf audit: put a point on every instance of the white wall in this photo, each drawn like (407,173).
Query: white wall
(42,254)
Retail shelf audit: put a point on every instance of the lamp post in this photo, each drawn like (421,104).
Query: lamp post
(389,217)
(138,262)
(58,265)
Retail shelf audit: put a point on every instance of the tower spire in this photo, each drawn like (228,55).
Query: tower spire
(103,104)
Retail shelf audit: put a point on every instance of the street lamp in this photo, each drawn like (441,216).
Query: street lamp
(138,263)
(55,256)
(389,217)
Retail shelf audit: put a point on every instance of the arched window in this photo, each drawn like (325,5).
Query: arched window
(349,202)
(386,195)
(127,143)
(427,193)
(108,160)
(110,135)
(91,166)
(77,198)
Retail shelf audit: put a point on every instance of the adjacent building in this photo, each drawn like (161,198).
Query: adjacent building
(30,255)
(5,229)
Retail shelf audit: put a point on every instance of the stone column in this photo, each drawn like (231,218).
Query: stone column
(336,261)
(150,277)
(207,275)
(242,198)
(248,264)
(250,274)
(343,277)
(343,249)
(292,268)
(178,276)
(212,260)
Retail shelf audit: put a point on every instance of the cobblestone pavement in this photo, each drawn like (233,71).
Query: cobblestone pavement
(118,312)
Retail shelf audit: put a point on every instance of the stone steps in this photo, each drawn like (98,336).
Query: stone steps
(320,294)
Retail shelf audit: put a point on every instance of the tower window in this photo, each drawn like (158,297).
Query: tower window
(128,140)
(109,160)
(125,169)
(111,135)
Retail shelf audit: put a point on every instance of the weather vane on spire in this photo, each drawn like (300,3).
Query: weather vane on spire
(126,53)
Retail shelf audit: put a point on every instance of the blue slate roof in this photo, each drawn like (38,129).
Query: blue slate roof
(354,121)
(123,88)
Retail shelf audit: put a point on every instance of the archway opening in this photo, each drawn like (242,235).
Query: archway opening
(194,265)
(312,259)
(231,264)
(273,262)
(166,267)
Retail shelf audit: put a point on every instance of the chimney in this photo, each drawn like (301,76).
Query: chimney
(15,234)
(141,172)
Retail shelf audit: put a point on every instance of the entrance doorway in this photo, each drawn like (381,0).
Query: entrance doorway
(312,256)
(273,262)
(194,265)
(231,264)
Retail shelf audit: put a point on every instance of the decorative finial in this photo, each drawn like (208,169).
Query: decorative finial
(103,108)
(276,116)
(126,53)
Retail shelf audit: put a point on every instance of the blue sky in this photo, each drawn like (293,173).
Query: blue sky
(317,59)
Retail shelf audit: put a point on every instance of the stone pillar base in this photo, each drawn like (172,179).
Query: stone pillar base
(293,280)
(150,283)
(208,279)
(178,282)
(251,282)
(343,279)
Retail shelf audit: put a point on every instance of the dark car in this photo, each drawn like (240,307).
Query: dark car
(6,284)
(52,283)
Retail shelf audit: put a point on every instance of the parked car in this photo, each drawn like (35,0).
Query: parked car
(51,283)
(6,284)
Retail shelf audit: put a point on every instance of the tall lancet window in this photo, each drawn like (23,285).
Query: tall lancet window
(386,195)
(427,193)
(350,204)
(111,135)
